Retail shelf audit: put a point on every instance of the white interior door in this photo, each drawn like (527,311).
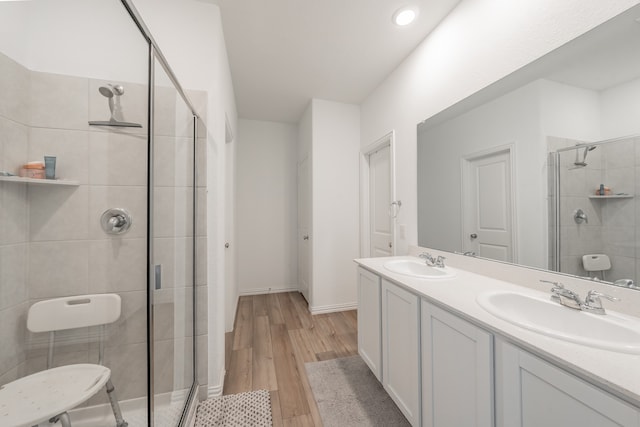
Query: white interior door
(304,223)
(380,220)
(488,205)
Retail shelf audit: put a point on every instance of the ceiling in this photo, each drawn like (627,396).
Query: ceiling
(282,53)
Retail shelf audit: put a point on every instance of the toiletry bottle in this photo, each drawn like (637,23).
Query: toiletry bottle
(602,189)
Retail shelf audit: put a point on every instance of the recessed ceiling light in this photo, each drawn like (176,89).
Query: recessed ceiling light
(404,16)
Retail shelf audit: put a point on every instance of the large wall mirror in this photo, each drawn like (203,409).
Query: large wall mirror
(515,172)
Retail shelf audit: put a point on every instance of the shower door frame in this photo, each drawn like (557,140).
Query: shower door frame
(155,54)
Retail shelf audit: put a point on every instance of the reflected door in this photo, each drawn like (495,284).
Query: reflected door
(487,208)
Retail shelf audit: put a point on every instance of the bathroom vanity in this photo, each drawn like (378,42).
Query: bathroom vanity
(447,360)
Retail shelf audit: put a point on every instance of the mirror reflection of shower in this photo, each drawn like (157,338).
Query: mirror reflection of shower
(583,161)
(113,93)
(599,186)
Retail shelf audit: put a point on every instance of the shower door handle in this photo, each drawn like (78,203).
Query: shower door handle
(157,279)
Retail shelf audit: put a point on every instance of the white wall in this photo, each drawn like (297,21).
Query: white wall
(451,65)
(620,110)
(335,204)
(75,47)
(266,207)
(570,112)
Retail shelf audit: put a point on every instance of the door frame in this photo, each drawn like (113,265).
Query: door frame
(387,140)
(465,194)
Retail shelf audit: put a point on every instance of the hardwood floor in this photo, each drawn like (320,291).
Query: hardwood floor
(274,336)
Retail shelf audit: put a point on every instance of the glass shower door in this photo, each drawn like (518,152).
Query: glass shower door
(172,252)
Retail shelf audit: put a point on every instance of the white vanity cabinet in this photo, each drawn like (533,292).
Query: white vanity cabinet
(400,347)
(457,371)
(532,392)
(370,321)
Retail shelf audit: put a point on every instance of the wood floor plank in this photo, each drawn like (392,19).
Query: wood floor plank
(340,324)
(274,336)
(273,307)
(243,333)
(352,317)
(302,345)
(289,313)
(292,401)
(311,402)
(228,345)
(264,371)
(302,309)
(299,421)
(238,378)
(260,305)
(328,332)
(317,339)
(276,414)
(327,355)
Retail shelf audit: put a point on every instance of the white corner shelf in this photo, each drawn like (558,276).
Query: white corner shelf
(60,182)
(613,196)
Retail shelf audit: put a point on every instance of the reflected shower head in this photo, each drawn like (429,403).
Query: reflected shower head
(584,154)
(110,90)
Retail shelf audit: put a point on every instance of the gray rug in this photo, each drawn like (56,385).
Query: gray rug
(348,394)
(251,409)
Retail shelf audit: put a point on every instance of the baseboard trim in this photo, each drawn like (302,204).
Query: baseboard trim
(333,308)
(216,390)
(261,291)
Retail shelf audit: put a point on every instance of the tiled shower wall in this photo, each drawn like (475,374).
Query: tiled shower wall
(611,228)
(51,242)
(14,226)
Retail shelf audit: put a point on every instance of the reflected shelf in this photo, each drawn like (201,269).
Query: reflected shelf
(612,196)
(60,182)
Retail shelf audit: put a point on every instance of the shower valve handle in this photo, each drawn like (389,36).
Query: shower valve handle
(115,221)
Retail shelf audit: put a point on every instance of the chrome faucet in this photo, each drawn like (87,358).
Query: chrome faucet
(431,261)
(564,296)
(593,304)
(568,298)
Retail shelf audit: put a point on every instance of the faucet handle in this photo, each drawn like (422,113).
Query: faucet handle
(594,297)
(592,303)
(557,286)
(440,261)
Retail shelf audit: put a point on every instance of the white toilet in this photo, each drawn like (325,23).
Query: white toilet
(596,263)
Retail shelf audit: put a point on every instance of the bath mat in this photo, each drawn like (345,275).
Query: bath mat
(250,409)
(348,394)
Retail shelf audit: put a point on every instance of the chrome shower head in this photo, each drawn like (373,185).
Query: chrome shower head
(584,154)
(110,90)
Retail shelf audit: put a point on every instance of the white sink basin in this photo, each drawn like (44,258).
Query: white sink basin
(418,268)
(612,331)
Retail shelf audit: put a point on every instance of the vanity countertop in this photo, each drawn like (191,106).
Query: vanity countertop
(617,373)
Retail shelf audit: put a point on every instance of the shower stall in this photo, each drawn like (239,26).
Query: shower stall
(122,211)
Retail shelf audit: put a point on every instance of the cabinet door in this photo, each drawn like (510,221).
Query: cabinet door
(400,338)
(531,392)
(457,371)
(369,321)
